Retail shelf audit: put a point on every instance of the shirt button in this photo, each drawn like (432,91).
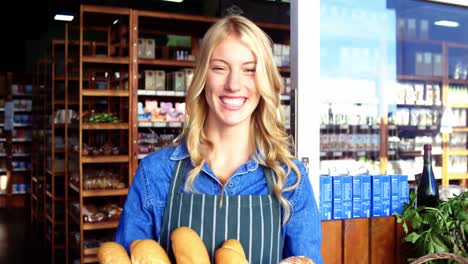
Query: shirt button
(231,184)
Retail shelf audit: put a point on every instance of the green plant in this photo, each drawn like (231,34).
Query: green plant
(437,229)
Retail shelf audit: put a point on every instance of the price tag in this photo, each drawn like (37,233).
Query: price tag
(391,152)
(337,153)
(144,124)
(421,127)
(175,124)
(361,153)
(344,126)
(164,93)
(146,92)
(363,127)
(323,154)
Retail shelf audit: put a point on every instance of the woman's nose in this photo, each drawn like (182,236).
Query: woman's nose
(233,82)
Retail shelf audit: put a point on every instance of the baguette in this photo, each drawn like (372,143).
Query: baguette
(297,260)
(188,247)
(148,251)
(231,252)
(112,253)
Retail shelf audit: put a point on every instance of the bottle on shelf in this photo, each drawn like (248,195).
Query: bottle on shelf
(427,192)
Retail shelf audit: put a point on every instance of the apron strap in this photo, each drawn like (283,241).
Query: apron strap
(270,180)
(177,176)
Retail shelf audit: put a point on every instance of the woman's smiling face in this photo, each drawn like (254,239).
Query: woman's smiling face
(231,90)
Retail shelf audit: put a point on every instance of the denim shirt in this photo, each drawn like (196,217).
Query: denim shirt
(146,200)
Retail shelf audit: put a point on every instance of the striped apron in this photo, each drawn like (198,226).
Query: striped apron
(254,220)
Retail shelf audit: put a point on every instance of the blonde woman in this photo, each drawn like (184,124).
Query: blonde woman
(231,174)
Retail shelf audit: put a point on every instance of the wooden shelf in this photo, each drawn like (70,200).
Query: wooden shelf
(420,41)
(456,81)
(96,92)
(22,95)
(458,105)
(105,159)
(419,78)
(105,192)
(172,63)
(458,152)
(90,251)
(107,60)
(458,176)
(460,129)
(100,225)
(90,259)
(104,126)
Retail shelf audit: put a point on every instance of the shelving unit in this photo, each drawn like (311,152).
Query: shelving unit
(427,90)
(160,77)
(16,155)
(56,176)
(4,173)
(39,121)
(105,76)
(97,189)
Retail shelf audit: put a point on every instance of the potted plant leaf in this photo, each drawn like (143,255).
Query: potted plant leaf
(440,229)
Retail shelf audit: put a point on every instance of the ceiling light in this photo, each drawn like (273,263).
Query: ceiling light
(175,1)
(446,23)
(63,17)
(115,22)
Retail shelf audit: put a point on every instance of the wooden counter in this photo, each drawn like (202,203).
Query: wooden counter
(364,240)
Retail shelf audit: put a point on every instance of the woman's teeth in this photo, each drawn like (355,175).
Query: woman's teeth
(233,101)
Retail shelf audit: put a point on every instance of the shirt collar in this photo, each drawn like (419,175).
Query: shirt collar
(181,152)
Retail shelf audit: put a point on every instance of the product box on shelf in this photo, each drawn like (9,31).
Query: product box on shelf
(188,73)
(326,197)
(159,80)
(347,196)
(337,197)
(396,204)
(146,48)
(376,201)
(366,195)
(404,189)
(357,197)
(150,48)
(385,195)
(149,80)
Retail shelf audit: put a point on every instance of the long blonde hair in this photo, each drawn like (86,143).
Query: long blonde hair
(267,129)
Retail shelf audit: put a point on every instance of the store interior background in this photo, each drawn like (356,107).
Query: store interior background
(362,52)
(376,61)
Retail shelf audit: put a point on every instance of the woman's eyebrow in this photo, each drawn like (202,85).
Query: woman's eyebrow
(223,61)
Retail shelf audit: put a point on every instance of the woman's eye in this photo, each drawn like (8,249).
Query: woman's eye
(250,70)
(217,68)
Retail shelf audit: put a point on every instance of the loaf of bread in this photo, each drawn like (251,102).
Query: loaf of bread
(231,252)
(297,260)
(112,253)
(188,247)
(148,251)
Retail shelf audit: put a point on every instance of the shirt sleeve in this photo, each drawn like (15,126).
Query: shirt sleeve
(303,231)
(136,219)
